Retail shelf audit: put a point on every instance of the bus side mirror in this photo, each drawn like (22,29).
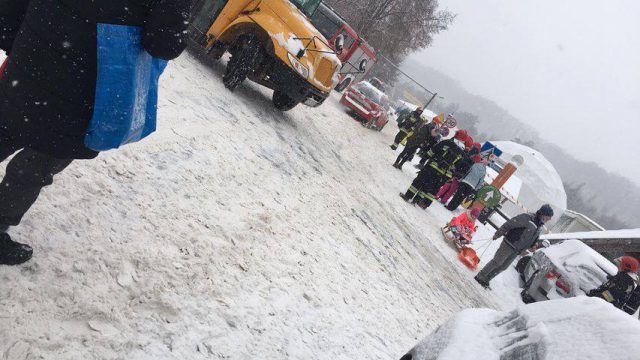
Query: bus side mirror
(338,43)
(363,65)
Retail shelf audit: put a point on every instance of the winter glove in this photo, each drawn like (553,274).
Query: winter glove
(165,31)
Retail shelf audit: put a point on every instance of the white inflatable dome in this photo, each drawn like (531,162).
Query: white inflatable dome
(541,183)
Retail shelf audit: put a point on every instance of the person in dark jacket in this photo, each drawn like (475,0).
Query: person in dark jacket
(425,156)
(406,126)
(619,288)
(47,90)
(520,233)
(472,181)
(632,304)
(424,137)
(446,155)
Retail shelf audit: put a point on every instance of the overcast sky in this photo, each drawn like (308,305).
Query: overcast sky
(569,68)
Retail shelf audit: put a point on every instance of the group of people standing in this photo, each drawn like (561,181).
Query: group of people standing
(451,168)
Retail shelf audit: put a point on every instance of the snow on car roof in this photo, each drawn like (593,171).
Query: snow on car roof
(608,234)
(575,253)
(572,328)
(370,86)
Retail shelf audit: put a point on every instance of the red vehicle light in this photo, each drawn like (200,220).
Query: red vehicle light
(552,274)
(563,285)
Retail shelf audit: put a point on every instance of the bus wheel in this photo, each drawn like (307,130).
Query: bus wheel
(283,102)
(244,58)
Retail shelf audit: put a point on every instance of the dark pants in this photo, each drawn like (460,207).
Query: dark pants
(500,262)
(406,155)
(423,157)
(27,173)
(425,186)
(463,191)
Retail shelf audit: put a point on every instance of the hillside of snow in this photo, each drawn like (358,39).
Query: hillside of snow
(234,232)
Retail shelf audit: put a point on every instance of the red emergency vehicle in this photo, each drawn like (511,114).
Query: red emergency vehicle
(357,56)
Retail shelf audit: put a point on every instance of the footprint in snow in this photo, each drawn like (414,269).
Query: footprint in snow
(19,350)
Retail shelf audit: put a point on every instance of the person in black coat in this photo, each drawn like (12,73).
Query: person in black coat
(618,289)
(47,90)
(446,154)
(520,233)
(406,126)
(425,137)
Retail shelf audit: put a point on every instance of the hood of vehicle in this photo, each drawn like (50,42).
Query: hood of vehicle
(295,20)
(370,103)
(294,32)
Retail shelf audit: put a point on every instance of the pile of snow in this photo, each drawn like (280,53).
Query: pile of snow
(541,182)
(575,328)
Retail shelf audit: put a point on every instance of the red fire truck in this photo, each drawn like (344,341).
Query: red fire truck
(357,56)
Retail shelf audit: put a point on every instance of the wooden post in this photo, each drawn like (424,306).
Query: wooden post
(504,175)
(498,182)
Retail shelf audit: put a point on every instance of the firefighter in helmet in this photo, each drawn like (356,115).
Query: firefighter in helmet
(618,288)
(446,157)
(406,126)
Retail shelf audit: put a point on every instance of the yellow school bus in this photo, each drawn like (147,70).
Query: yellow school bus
(271,42)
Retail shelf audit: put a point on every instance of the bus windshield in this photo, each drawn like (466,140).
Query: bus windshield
(308,7)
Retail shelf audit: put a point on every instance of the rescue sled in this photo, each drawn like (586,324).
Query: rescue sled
(450,236)
(469,257)
(466,254)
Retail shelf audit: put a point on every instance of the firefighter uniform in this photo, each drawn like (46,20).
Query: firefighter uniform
(617,290)
(421,138)
(406,126)
(633,302)
(446,155)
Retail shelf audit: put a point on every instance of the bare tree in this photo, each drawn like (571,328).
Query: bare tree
(395,28)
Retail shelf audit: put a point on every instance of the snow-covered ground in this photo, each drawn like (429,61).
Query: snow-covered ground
(234,232)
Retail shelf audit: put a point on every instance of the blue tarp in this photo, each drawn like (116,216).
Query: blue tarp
(126,89)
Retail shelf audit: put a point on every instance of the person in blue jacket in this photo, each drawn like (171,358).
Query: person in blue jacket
(47,90)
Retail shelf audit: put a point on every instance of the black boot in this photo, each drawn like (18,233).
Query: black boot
(423,204)
(407,197)
(482,283)
(13,253)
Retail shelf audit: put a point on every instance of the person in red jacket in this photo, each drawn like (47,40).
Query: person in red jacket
(463,227)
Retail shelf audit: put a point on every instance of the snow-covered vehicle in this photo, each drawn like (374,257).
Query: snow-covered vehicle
(379,84)
(576,328)
(566,269)
(271,42)
(367,104)
(357,56)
